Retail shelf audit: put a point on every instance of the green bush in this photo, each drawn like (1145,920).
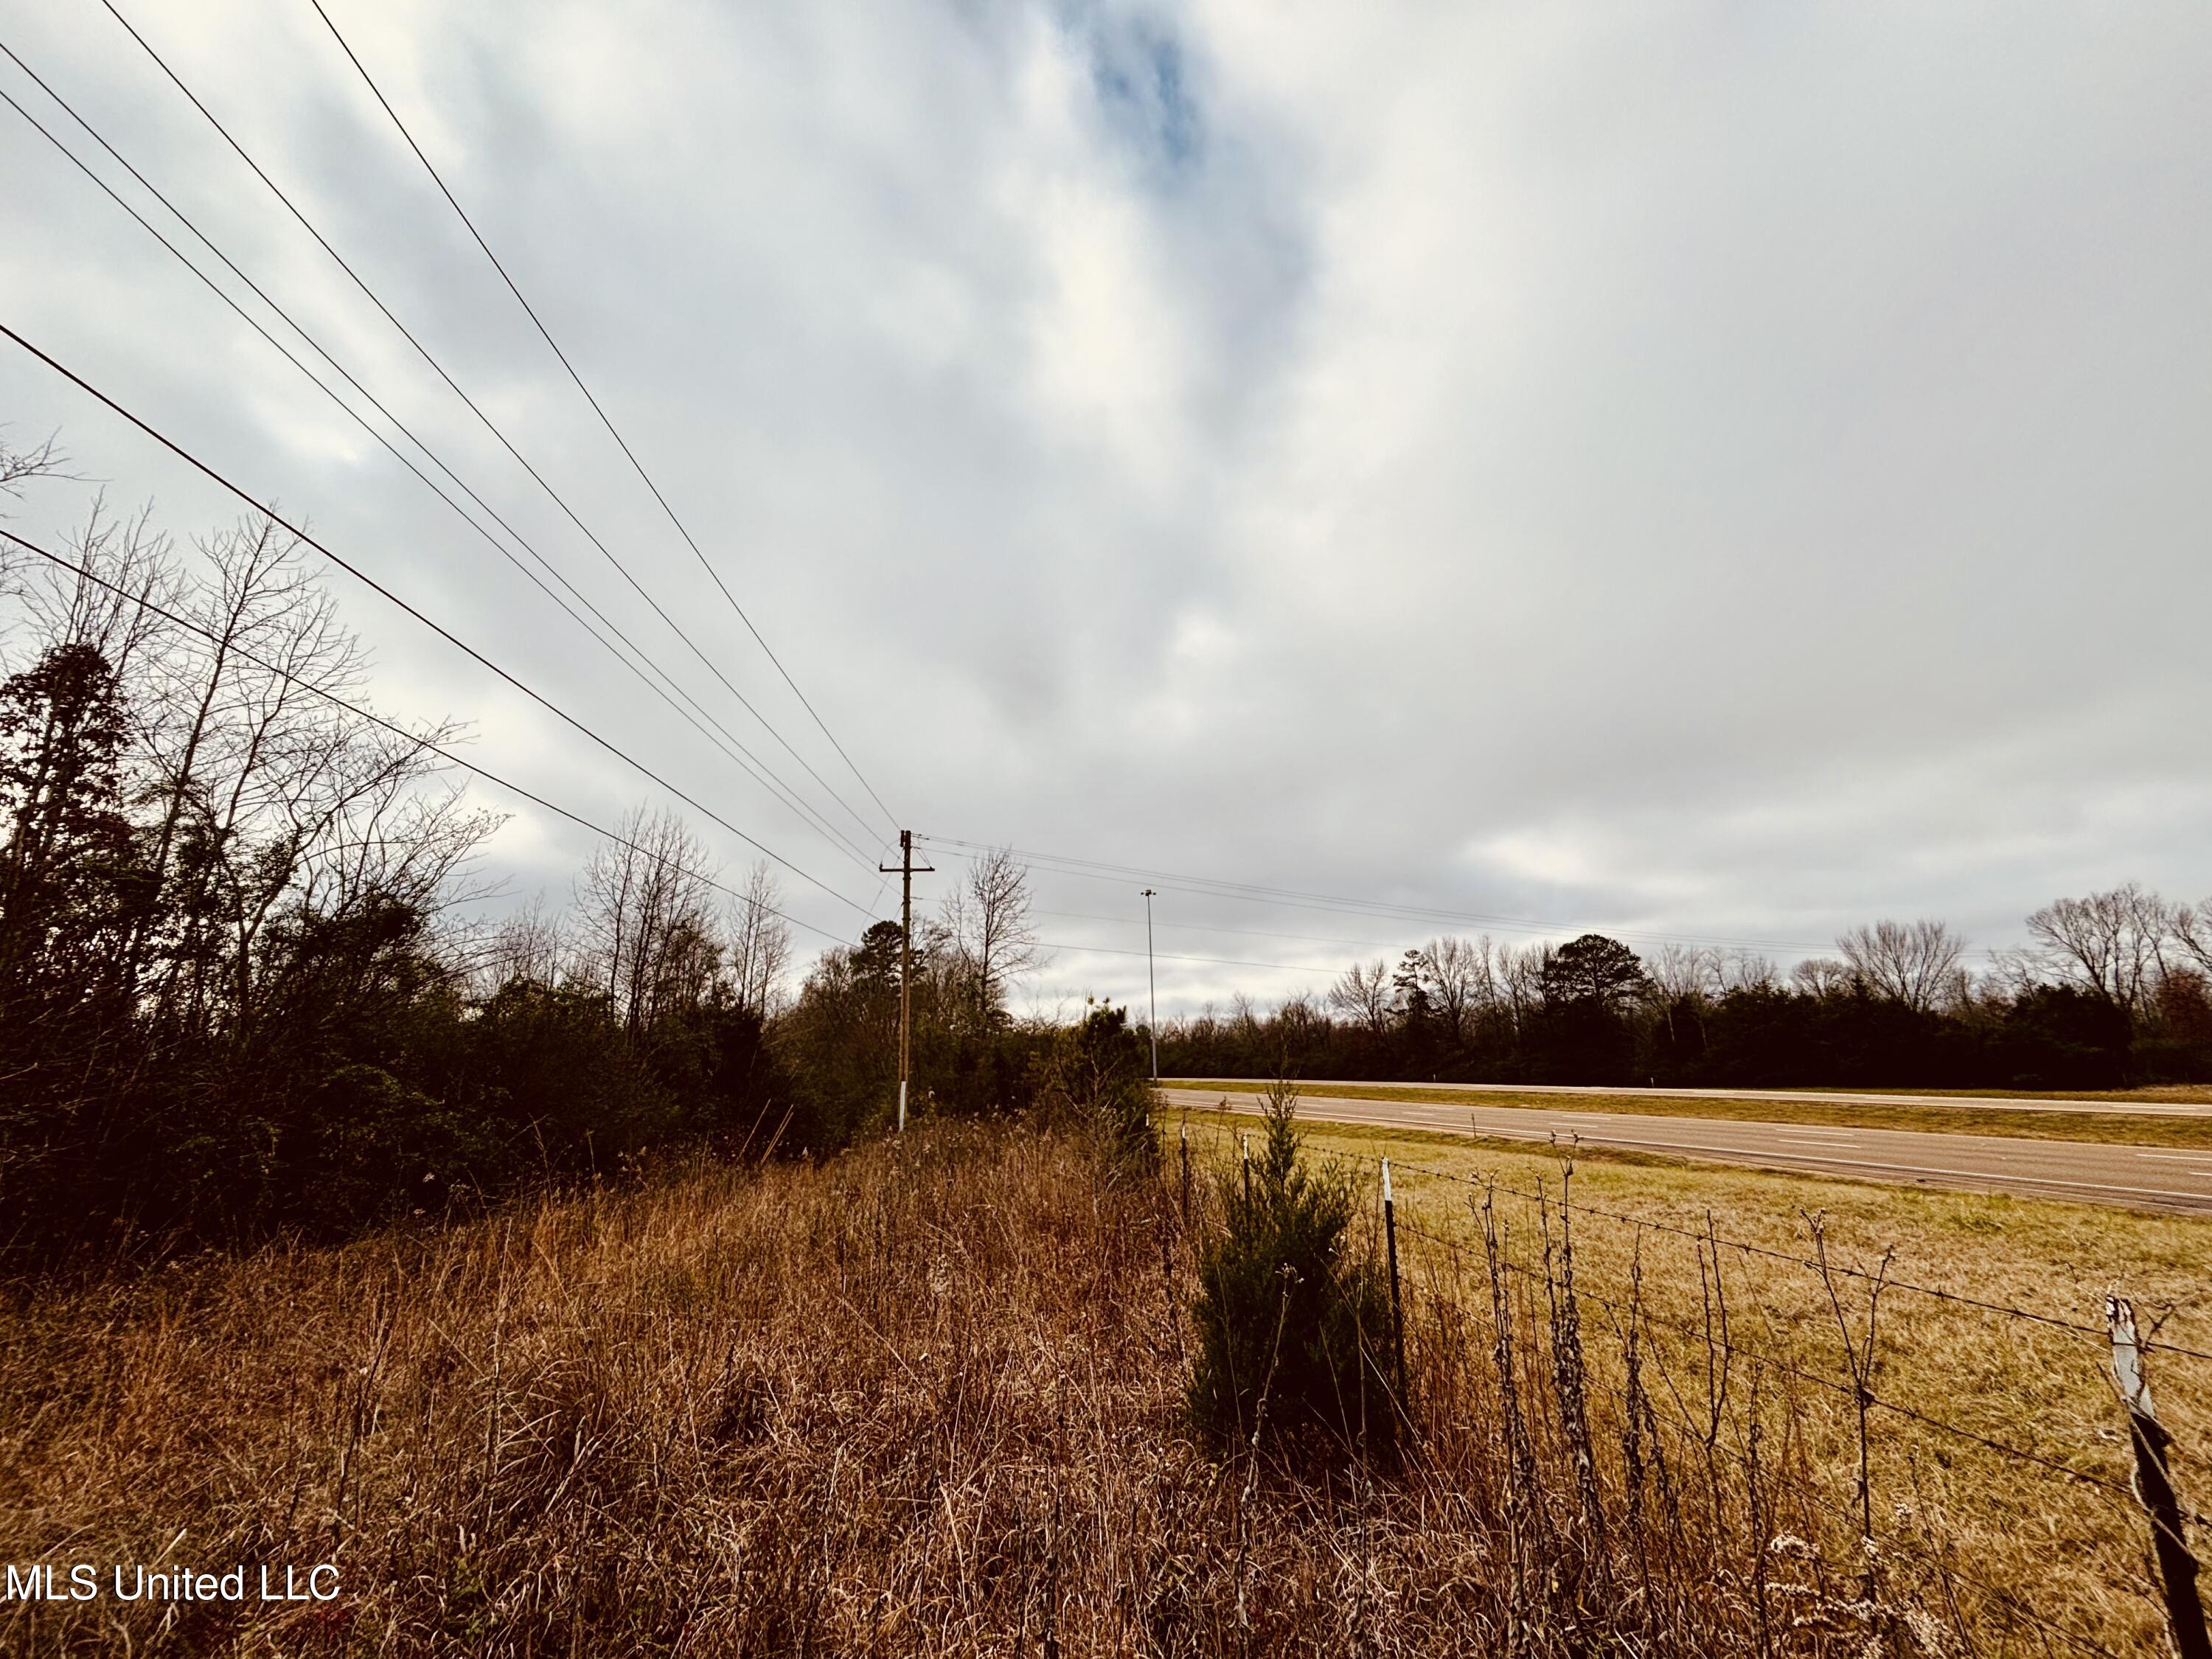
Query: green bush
(1096,1077)
(1290,1313)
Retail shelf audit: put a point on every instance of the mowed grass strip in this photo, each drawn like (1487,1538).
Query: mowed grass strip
(1963,1120)
(2071,1549)
(2153,1094)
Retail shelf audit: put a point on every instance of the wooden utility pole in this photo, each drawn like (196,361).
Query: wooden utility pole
(906,868)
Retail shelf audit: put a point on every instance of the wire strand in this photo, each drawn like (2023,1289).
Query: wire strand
(454,639)
(143,603)
(746,760)
(531,311)
(489,425)
(1294,898)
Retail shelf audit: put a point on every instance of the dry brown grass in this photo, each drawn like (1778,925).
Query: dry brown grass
(2026,1543)
(923,1399)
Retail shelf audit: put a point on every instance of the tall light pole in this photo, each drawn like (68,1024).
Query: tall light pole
(1151,984)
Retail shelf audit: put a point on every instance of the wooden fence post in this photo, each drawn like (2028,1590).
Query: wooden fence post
(1397,1313)
(2177,1567)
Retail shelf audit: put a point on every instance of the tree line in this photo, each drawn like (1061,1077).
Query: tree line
(2113,990)
(247,981)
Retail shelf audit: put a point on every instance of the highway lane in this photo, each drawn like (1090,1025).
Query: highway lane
(2089,1172)
(1991,1103)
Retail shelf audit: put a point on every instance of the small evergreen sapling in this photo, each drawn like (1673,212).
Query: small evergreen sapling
(1284,1257)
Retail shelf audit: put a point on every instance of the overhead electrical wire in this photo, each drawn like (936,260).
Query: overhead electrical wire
(489,425)
(752,764)
(143,603)
(1216,887)
(1164,955)
(451,638)
(532,313)
(1209,927)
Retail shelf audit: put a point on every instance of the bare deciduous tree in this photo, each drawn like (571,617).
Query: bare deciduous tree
(17,466)
(642,903)
(1822,976)
(759,943)
(1685,972)
(1461,980)
(531,946)
(1521,976)
(2112,943)
(2192,932)
(1363,993)
(987,918)
(1912,962)
(1746,970)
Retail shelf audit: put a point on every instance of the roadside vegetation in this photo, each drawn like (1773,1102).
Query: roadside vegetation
(928,1396)
(996,1389)
(255,979)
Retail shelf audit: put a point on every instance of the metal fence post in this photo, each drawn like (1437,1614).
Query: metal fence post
(1397,1313)
(1244,1150)
(1185,1175)
(2177,1567)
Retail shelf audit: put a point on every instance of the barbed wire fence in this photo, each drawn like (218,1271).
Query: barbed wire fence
(1886,1482)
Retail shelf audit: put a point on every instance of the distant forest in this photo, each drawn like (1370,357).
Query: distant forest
(2114,991)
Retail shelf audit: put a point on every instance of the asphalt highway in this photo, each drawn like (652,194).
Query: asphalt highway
(1991,1103)
(2089,1172)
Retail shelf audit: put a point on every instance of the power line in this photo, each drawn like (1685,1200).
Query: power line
(1217,887)
(454,639)
(531,311)
(1209,927)
(489,425)
(751,764)
(1219,962)
(143,603)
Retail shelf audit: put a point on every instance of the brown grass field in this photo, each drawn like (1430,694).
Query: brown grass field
(927,1398)
(2071,1552)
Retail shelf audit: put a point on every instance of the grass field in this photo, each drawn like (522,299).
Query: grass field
(2070,1550)
(926,1397)
(1963,1120)
(2174,1094)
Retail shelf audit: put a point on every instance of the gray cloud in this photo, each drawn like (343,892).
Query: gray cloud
(1692,471)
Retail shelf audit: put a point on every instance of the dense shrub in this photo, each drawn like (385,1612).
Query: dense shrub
(1095,1075)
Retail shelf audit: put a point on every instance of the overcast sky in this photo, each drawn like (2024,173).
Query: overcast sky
(1722,472)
